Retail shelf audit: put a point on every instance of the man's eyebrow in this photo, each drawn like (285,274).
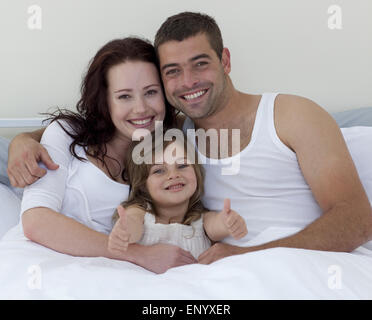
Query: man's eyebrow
(199,56)
(169,65)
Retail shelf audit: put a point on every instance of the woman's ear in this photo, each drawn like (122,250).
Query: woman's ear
(226,61)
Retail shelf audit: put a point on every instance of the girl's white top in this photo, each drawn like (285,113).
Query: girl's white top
(191,238)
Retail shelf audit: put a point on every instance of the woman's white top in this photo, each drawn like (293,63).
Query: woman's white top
(269,189)
(191,237)
(78,189)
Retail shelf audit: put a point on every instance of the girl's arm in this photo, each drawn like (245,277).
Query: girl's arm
(127,229)
(219,225)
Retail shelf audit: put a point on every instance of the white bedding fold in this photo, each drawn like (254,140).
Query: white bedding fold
(31,271)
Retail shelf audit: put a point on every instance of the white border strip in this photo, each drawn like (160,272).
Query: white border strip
(21,122)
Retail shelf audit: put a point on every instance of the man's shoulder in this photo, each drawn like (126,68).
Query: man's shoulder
(291,101)
(297,117)
(289,108)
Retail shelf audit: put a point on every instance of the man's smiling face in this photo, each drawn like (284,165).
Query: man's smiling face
(193,75)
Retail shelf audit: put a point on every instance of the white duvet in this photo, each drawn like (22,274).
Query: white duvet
(31,271)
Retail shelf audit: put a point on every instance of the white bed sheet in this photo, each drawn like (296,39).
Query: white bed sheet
(31,271)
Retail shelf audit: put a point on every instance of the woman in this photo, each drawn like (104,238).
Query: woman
(70,209)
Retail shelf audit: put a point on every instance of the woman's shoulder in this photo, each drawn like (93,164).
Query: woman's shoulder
(60,127)
(58,132)
(57,140)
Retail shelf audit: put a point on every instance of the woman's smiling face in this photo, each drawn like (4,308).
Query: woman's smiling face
(135,97)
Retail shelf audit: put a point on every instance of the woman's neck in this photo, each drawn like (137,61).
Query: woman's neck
(113,162)
(117,148)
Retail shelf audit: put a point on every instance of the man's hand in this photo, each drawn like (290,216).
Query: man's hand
(219,251)
(23,158)
(234,222)
(160,257)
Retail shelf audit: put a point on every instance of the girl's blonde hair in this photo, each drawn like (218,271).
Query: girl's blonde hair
(137,175)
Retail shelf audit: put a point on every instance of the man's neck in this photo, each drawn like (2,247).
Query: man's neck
(237,106)
(239,113)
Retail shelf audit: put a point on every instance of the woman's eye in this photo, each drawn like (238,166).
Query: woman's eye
(151,92)
(181,166)
(124,96)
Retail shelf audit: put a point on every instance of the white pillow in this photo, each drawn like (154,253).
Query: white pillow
(4,143)
(9,210)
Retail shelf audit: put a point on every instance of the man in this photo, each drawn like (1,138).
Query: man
(195,70)
(302,142)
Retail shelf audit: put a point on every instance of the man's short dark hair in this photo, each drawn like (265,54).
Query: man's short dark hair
(187,24)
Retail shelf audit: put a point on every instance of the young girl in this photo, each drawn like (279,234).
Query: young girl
(164,204)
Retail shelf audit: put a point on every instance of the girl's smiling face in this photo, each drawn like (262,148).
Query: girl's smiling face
(173,182)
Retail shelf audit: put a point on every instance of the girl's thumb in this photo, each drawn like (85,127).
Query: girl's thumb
(121,212)
(226,205)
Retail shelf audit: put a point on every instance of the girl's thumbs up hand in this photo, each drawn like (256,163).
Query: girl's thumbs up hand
(119,236)
(233,221)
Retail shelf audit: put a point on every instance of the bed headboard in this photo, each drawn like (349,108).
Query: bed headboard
(10,127)
(21,122)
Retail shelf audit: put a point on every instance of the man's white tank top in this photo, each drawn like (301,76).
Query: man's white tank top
(269,190)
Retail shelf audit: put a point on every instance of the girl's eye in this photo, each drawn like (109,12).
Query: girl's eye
(183,165)
(158,171)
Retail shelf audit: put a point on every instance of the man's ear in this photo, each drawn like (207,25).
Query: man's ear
(225,60)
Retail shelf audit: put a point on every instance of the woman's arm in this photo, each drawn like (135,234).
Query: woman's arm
(63,234)
(66,235)
(24,153)
(219,225)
